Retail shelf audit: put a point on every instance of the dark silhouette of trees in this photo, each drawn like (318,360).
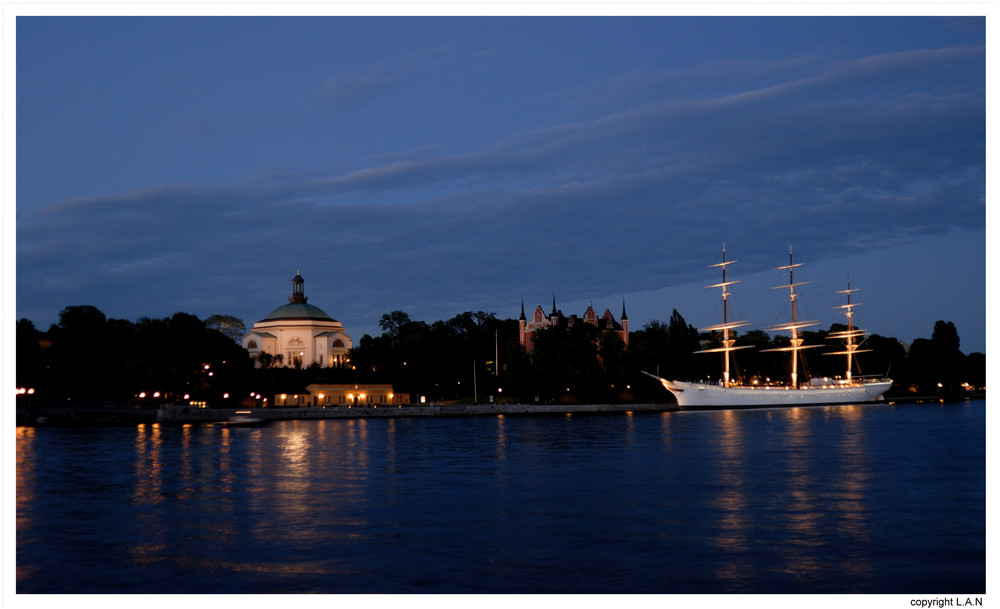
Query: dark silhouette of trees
(89,358)
(937,365)
(29,369)
(231,326)
(93,359)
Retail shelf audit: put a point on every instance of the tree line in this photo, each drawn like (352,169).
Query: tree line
(474,356)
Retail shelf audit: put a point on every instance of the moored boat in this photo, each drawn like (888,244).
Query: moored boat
(242,418)
(728,393)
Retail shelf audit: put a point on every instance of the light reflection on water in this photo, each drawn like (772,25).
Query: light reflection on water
(793,500)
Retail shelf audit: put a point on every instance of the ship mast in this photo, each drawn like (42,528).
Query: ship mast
(850,347)
(795,324)
(726,325)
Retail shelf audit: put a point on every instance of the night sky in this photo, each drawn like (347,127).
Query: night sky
(440,165)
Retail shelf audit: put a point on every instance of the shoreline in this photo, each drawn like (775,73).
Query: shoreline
(82,415)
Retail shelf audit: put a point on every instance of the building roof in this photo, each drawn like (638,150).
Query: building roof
(297,310)
(332,333)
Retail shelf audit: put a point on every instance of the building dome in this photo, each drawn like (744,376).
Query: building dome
(299,334)
(297,310)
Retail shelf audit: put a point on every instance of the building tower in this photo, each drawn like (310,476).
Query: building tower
(624,323)
(298,289)
(522,322)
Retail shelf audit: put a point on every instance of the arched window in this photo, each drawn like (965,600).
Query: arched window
(252,344)
(338,344)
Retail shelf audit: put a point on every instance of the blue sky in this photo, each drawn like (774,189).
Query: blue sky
(439,165)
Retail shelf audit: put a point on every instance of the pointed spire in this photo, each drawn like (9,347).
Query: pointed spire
(522,308)
(624,316)
(553,304)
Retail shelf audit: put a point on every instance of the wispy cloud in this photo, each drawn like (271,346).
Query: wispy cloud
(839,154)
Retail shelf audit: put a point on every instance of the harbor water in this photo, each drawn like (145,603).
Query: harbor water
(853,499)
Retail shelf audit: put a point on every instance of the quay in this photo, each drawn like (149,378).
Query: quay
(109,415)
(180,414)
(58,415)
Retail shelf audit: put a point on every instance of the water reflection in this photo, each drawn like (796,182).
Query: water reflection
(149,546)
(800,511)
(148,465)
(501,437)
(733,517)
(25,494)
(728,501)
(852,487)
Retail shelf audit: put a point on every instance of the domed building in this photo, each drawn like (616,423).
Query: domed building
(300,333)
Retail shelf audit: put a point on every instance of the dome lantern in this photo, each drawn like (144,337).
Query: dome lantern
(298,290)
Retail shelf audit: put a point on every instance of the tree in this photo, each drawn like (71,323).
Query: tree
(29,354)
(231,326)
(945,344)
(392,323)
(80,354)
(565,362)
(613,361)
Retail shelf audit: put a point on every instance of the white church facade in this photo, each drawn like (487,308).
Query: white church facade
(300,333)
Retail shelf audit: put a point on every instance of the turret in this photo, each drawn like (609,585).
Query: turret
(298,289)
(522,322)
(624,324)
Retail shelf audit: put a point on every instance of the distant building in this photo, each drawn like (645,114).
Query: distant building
(322,395)
(555,318)
(300,333)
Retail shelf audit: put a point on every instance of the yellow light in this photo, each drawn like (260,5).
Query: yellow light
(142,394)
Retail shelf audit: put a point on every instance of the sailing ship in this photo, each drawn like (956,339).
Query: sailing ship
(728,393)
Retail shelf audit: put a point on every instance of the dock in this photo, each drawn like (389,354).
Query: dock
(176,414)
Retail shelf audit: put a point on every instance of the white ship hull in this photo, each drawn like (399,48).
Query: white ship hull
(699,395)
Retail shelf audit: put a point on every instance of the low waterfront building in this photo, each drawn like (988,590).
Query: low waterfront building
(556,318)
(322,395)
(299,334)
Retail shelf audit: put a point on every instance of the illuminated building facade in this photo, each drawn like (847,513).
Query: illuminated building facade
(555,318)
(300,333)
(332,395)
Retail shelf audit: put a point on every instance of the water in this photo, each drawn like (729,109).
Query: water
(873,499)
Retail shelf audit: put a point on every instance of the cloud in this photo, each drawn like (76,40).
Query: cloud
(839,155)
(346,91)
